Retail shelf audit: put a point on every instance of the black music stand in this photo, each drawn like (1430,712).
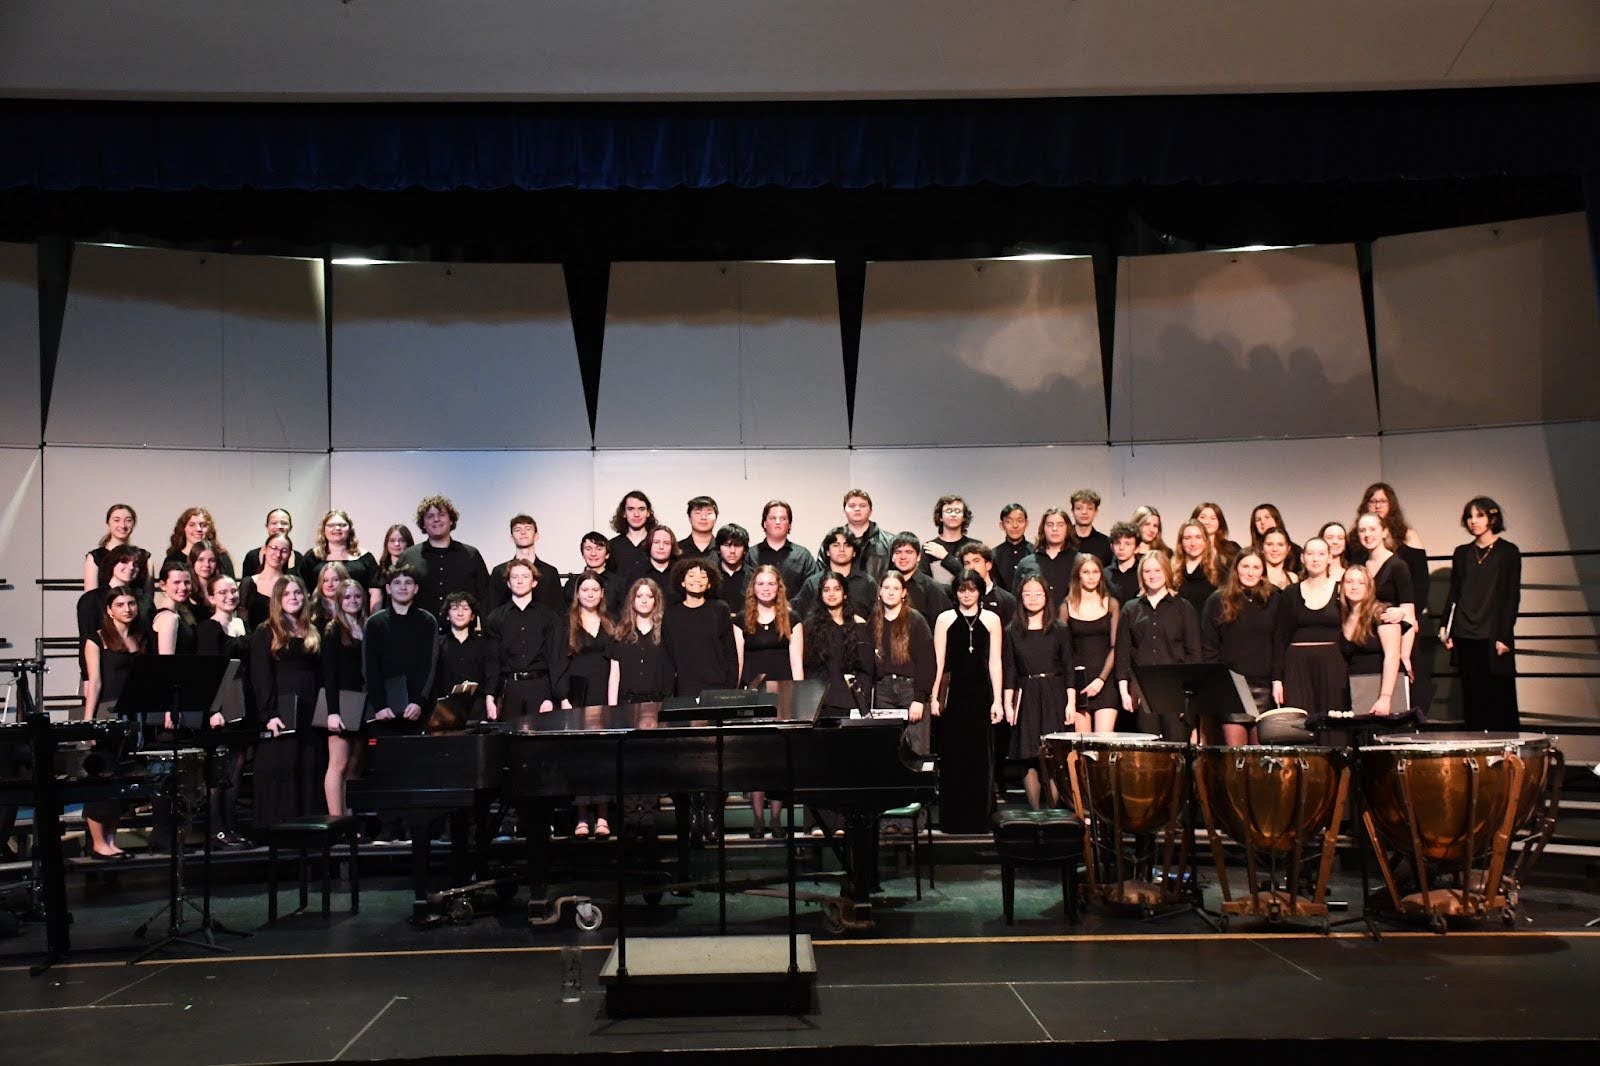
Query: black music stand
(189,688)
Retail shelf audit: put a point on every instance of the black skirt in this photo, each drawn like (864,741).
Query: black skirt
(1315,678)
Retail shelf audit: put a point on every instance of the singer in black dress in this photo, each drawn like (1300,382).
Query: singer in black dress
(905,669)
(836,647)
(1236,629)
(589,638)
(967,644)
(767,627)
(1092,614)
(1308,670)
(1038,679)
(286,669)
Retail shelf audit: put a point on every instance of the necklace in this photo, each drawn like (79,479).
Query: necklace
(1484,554)
(972,629)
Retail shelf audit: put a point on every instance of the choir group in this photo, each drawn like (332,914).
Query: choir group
(988,647)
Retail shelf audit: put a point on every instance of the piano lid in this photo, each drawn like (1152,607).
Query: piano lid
(796,708)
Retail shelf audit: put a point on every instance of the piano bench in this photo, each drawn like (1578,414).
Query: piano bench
(921,822)
(313,833)
(1038,838)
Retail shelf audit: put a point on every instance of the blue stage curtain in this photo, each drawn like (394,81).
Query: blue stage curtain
(1208,140)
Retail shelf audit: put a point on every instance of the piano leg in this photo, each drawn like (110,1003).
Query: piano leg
(536,827)
(683,816)
(861,847)
(461,866)
(418,823)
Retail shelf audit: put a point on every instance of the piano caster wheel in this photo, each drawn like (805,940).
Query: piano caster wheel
(460,910)
(587,917)
(652,899)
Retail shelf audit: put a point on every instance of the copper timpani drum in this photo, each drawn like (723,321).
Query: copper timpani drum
(1053,751)
(1278,804)
(1538,802)
(1447,808)
(1127,787)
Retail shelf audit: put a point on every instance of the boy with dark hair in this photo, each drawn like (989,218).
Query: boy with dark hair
(524,541)
(443,564)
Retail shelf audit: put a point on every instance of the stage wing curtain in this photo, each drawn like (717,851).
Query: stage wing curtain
(1272,138)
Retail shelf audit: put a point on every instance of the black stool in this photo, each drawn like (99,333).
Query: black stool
(315,832)
(1038,838)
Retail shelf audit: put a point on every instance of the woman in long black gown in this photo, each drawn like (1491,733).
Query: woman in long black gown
(1039,694)
(286,669)
(109,653)
(967,644)
(224,634)
(589,636)
(905,670)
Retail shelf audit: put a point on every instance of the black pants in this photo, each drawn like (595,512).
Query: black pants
(520,700)
(1488,687)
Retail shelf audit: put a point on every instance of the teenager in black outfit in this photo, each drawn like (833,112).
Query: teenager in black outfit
(124,569)
(1391,582)
(979,559)
(904,676)
(1308,671)
(1014,548)
(1215,523)
(1053,553)
(1263,520)
(174,624)
(279,522)
(925,595)
(1156,628)
(872,543)
(967,643)
(702,539)
(223,633)
(1039,694)
(286,668)
(794,562)
(193,526)
(525,545)
(1091,613)
(402,654)
(596,553)
(766,631)
(343,657)
(1196,571)
(641,669)
(442,563)
(941,556)
(589,637)
(109,653)
(1236,629)
(465,654)
(632,523)
(733,566)
(661,554)
(1369,644)
(255,591)
(1085,504)
(337,543)
(839,557)
(530,640)
(836,647)
(120,520)
(1122,573)
(1480,618)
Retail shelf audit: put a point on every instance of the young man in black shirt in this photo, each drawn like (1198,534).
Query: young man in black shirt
(1122,577)
(1010,553)
(596,552)
(1085,506)
(733,566)
(980,558)
(776,549)
(524,541)
(925,595)
(952,518)
(872,543)
(861,590)
(633,522)
(701,540)
(400,651)
(442,563)
(531,642)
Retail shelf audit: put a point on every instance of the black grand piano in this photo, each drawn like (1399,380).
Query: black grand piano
(856,768)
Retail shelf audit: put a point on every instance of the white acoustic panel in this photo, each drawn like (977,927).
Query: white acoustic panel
(905,483)
(1229,345)
(813,482)
(979,352)
(464,355)
(19,345)
(20,525)
(140,360)
(487,488)
(721,354)
(1487,325)
(1310,481)
(237,487)
(274,353)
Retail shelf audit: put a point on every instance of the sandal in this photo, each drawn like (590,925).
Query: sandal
(602,828)
(581,830)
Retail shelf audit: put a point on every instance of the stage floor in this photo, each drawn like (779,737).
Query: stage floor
(944,973)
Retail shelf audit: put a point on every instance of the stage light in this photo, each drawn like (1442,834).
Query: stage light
(359,261)
(1033,257)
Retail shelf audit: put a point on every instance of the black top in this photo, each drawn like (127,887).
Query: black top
(211,639)
(342,670)
(1296,623)
(860,591)
(114,669)
(1485,592)
(254,607)
(1392,583)
(794,562)
(589,669)
(1167,633)
(1002,603)
(918,666)
(401,645)
(185,642)
(529,640)
(546,591)
(363,569)
(252,562)
(688,550)
(102,565)
(644,670)
(1057,573)
(293,672)
(1029,652)
(1007,554)
(91,608)
(456,567)
(1123,585)
(1364,658)
(1196,587)
(766,651)
(1244,644)
(946,570)
(731,587)
(872,552)
(1097,544)
(1416,560)
(926,596)
(612,584)
(1094,644)
(473,659)
(224,562)
(833,651)
(699,641)
(626,556)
